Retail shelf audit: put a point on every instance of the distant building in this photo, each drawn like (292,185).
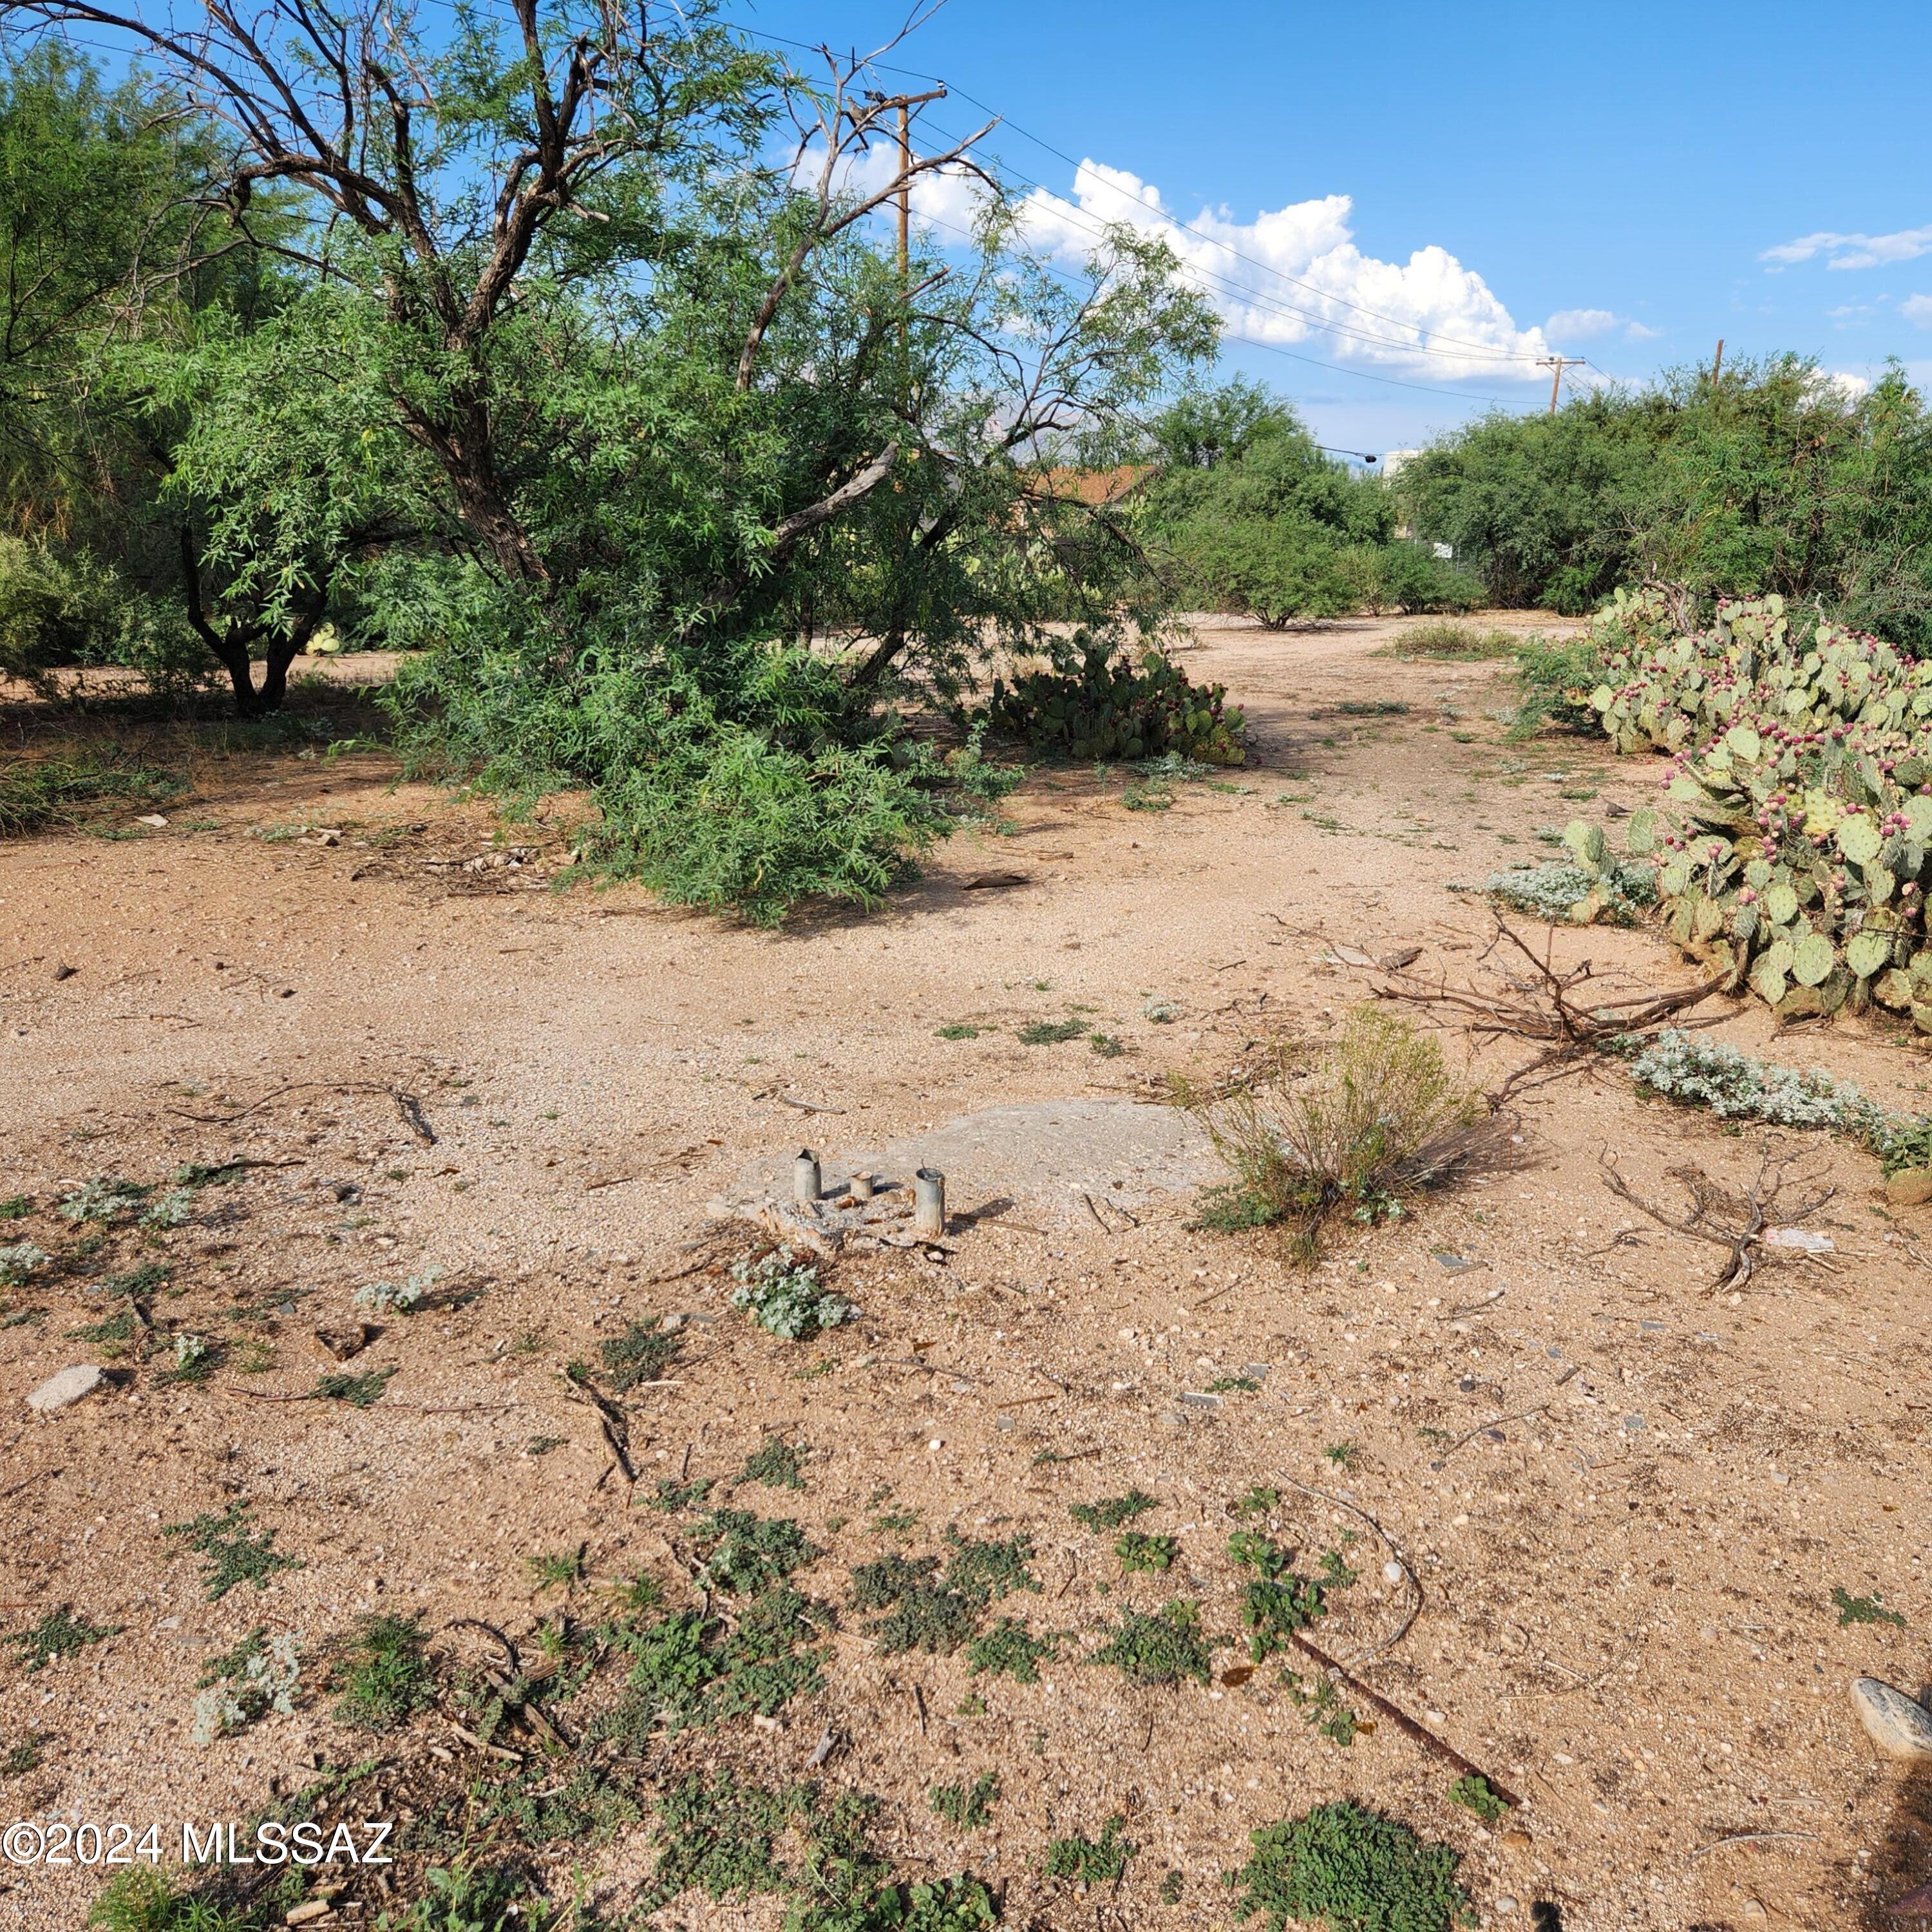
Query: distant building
(1098,489)
(1393,460)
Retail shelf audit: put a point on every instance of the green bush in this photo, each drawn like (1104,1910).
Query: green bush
(58,611)
(1102,706)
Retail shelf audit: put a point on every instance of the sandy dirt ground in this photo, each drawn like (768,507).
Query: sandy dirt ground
(1626,1501)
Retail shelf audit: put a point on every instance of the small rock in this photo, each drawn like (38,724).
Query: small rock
(1457,1264)
(1514,1839)
(1910,1187)
(308,1912)
(1392,1572)
(64,1390)
(1505,1902)
(1200,1398)
(342,1343)
(1900,1726)
(64,971)
(153,818)
(1005,1423)
(1403,956)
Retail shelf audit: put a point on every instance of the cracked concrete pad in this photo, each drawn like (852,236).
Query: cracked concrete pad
(1040,1155)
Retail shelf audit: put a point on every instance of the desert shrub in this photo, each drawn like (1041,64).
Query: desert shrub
(70,791)
(60,609)
(1101,706)
(1350,1870)
(1358,1129)
(1555,676)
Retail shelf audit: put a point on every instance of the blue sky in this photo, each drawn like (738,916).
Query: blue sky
(1456,192)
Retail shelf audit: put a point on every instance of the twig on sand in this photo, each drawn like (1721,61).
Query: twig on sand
(1748,1838)
(1402,1721)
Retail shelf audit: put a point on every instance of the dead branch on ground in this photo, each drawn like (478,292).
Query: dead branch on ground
(1548,1007)
(1739,1223)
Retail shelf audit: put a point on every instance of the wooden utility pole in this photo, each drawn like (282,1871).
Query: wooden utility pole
(905,199)
(1556,365)
(1717,362)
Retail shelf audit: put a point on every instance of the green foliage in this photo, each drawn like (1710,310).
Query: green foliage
(744,1553)
(1138,1551)
(672,1496)
(786,1298)
(966,1807)
(1322,1708)
(1770,478)
(384,1673)
(1863,1610)
(1101,1861)
(57,1634)
(1473,1792)
(1096,705)
(145,1898)
(1162,1649)
(926,1609)
(1250,516)
(689,1671)
(261,1676)
(1350,1870)
(1111,1512)
(555,1571)
(1446,638)
(641,1354)
(1009,1649)
(775,1463)
(359,1391)
(1797,858)
(1277,1602)
(233,1549)
(465,1898)
(1377,1118)
(1050,1033)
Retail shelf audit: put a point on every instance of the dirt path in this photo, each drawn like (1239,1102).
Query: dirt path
(1627,1503)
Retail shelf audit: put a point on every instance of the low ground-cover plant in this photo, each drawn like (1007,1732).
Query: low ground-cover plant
(1357,1129)
(1160,1649)
(233,1548)
(260,1676)
(36,793)
(384,1673)
(1350,1869)
(1699,1072)
(57,1634)
(785,1297)
(929,1609)
(1101,1861)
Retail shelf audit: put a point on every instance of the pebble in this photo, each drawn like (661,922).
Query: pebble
(1200,1398)
(1900,1726)
(1911,1188)
(64,1390)
(1506,1903)
(1392,1572)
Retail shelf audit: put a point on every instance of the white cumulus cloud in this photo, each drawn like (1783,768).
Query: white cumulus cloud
(1918,311)
(1572,324)
(1852,251)
(1294,275)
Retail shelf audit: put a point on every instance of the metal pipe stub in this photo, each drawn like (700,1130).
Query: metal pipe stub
(805,1181)
(861,1187)
(928,1204)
